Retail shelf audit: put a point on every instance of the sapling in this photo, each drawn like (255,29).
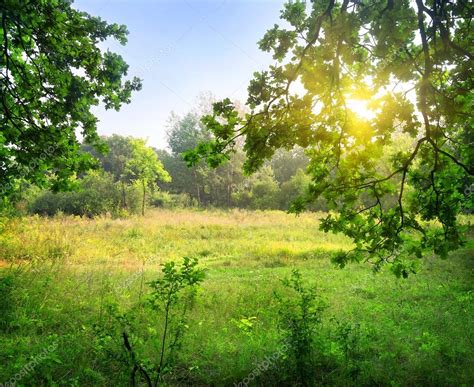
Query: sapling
(299,318)
(172,295)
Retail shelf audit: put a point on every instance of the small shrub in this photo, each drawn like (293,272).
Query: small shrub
(175,292)
(299,319)
(347,336)
(171,296)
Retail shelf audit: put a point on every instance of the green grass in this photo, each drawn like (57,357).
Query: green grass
(416,331)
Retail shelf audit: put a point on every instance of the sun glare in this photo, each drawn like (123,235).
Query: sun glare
(361,108)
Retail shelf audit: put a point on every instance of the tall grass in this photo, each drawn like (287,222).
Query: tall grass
(376,330)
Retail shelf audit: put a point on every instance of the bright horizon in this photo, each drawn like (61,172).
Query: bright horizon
(181,49)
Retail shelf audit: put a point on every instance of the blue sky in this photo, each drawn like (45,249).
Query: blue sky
(181,48)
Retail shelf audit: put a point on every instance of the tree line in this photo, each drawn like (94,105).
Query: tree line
(130,176)
(409,61)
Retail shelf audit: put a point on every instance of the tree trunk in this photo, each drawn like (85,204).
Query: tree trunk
(124,196)
(198,191)
(144,194)
(229,186)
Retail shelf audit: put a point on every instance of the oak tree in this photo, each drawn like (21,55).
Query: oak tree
(52,71)
(351,78)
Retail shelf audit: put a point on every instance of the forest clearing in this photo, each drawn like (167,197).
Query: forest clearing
(236,193)
(77,267)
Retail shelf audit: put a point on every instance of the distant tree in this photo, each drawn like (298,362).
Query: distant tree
(258,191)
(119,151)
(226,179)
(264,190)
(410,63)
(145,168)
(52,71)
(292,189)
(226,185)
(184,180)
(285,163)
(185,133)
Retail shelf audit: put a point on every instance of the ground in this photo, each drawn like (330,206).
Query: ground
(408,331)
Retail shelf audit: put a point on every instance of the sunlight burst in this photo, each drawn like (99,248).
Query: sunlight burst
(361,108)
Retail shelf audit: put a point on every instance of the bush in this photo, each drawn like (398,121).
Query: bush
(47,203)
(171,298)
(163,199)
(299,319)
(97,194)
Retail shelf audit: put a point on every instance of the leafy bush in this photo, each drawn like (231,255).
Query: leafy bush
(163,199)
(171,297)
(47,203)
(97,194)
(345,340)
(299,319)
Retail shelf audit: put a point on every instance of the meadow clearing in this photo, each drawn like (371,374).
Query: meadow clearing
(151,247)
(59,274)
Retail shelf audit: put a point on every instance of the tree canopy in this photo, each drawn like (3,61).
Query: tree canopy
(350,79)
(52,72)
(145,168)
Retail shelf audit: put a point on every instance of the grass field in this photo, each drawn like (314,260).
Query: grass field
(417,331)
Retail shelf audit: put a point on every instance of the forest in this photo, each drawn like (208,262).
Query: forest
(118,185)
(314,228)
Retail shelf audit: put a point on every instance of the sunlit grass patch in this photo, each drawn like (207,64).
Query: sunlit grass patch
(423,321)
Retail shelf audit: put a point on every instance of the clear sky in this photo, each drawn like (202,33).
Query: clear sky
(181,48)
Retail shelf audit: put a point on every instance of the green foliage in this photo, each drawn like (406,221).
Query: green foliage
(286,163)
(166,291)
(163,199)
(226,185)
(114,160)
(145,168)
(185,133)
(171,296)
(131,163)
(130,169)
(79,275)
(143,165)
(53,72)
(96,194)
(300,316)
(259,191)
(347,339)
(295,188)
(264,191)
(207,186)
(334,56)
